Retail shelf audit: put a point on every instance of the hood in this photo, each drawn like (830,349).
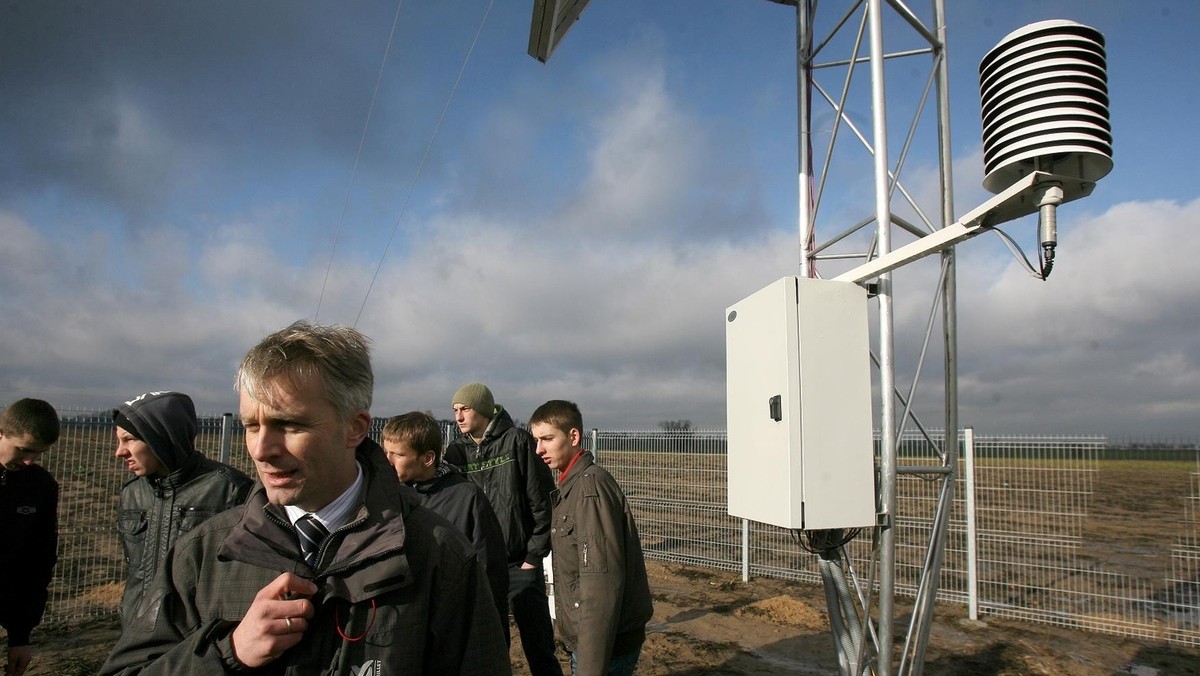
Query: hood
(499,424)
(166,421)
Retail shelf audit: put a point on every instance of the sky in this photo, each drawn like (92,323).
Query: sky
(179,179)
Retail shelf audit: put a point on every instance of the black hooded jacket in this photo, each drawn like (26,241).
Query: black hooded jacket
(465,505)
(156,510)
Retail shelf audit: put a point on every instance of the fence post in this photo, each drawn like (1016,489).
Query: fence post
(226,436)
(972,553)
(745,550)
(595,447)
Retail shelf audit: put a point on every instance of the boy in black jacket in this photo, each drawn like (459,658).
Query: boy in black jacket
(413,442)
(28,523)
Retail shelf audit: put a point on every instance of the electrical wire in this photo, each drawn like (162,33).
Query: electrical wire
(1018,254)
(826,540)
(358,156)
(424,157)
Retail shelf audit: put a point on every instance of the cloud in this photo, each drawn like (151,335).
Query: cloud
(171,198)
(1106,344)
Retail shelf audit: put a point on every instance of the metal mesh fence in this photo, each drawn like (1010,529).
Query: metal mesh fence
(90,574)
(88,579)
(1074,531)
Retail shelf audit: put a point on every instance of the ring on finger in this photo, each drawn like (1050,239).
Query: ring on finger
(289,623)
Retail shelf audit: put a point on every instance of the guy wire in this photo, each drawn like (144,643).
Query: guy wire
(354,172)
(424,157)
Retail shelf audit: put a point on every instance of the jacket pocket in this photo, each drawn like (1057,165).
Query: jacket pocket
(592,558)
(562,533)
(190,517)
(132,526)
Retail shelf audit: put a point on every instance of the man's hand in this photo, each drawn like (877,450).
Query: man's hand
(275,621)
(525,565)
(18,660)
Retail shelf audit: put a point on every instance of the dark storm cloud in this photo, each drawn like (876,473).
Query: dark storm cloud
(125,101)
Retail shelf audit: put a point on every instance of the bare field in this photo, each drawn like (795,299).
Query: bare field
(709,622)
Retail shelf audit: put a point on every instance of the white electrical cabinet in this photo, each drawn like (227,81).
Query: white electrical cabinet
(798,384)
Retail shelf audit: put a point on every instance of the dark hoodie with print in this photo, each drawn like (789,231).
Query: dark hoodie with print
(156,510)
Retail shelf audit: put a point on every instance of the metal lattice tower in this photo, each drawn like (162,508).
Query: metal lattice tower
(832,53)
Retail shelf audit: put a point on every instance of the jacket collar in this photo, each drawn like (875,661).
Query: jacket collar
(178,476)
(586,460)
(364,558)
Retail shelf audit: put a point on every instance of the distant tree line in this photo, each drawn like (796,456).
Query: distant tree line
(675,425)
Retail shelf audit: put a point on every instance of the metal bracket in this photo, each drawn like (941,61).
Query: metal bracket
(1019,199)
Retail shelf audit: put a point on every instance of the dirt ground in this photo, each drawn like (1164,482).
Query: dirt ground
(710,622)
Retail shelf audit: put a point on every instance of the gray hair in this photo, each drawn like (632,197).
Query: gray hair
(340,356)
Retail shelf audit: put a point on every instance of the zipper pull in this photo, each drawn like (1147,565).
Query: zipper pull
(585,554)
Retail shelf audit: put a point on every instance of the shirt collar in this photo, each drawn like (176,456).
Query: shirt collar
(337,513)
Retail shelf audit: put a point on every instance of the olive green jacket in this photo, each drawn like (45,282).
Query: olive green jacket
(400,592)
(601,596)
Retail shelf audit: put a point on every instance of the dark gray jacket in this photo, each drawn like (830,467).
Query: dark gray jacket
(516,482)
(400,592)
(155,511)
(601,595)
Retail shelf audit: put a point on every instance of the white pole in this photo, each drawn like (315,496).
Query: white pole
(226,437)
(745,550)
(972,552)
(887,365)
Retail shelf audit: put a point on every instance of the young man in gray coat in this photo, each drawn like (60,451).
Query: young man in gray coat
(174,488)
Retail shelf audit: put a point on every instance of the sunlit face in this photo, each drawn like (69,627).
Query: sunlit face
(554,446)
(409,463)
(137,455)
(470,421)
(19,451)
(302,449)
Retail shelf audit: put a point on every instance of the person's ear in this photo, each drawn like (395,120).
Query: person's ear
(430,459)
(575,436)
(357,428)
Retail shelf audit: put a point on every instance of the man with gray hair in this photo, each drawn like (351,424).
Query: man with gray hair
(332,566)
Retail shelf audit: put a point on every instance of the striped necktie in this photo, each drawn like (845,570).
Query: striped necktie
(311,534)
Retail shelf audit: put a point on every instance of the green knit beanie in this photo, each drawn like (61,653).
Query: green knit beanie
(476,396)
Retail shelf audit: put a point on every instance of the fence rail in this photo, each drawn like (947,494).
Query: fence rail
(1071,531)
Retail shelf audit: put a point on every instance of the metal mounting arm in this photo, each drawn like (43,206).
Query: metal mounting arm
(1020,199)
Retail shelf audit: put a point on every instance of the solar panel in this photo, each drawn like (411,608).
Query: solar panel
(551,21)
